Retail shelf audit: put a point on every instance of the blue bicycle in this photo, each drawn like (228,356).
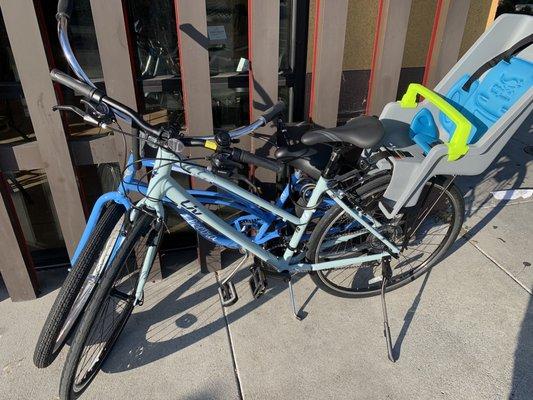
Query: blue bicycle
(326,222)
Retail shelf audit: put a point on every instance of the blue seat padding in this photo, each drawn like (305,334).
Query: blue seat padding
(423,130)
(483,104)
(458,97)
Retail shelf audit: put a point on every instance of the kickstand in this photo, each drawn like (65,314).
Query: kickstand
(387,275)
(293,301)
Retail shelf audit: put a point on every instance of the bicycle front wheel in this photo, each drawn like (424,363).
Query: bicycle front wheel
(108,311)
(78,286)
(431,229)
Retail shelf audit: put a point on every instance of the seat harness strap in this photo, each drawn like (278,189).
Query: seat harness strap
(506,55)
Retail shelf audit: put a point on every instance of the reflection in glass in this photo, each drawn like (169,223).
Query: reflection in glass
(15,124)
(285,35)
(227,28)
(83,40)
(153,27)
(230,107)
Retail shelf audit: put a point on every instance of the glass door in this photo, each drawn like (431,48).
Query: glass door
(152,24)
(227,27)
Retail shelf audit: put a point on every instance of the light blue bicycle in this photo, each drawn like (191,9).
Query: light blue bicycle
(326,222)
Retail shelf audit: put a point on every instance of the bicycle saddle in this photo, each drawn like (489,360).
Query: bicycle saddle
(364,132)
(309,159)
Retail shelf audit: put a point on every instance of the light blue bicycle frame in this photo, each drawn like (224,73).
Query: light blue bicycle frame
(162,186)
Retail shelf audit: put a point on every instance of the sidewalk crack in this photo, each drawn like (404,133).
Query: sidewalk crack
(232,350)
(468,237)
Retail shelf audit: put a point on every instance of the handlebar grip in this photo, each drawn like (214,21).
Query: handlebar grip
(246,157)
(76,85)
(64,8)
(274,111)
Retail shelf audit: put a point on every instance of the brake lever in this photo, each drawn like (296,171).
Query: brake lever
(104,112)
(86,117)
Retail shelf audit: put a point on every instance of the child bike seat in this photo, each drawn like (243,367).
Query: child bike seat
(482,104)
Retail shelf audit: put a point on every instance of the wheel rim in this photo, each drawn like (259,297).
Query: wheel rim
(422,248)
(111,318)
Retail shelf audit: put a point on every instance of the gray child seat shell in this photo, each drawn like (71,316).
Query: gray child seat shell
(495,106)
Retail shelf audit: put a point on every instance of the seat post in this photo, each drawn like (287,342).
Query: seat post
(332,167)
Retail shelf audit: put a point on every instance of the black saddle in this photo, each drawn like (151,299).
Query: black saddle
(364,132)
(311,156)
(309,159)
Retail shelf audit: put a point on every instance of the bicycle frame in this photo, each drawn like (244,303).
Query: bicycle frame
(162,186)
(265,220)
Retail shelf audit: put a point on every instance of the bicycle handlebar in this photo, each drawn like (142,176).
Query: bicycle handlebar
(85,89)
(64,8)
(98,96)
(246,157)
(273,111)
(270,114)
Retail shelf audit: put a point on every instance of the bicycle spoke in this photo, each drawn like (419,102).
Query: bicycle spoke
(341,243)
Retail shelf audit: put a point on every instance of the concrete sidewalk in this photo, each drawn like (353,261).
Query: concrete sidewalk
(464,331)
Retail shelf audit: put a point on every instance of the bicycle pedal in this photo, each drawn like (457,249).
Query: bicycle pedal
(258,282)
(228,294)
(375,280)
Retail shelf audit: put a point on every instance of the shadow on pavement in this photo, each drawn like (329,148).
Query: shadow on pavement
(522,384)
(506,172)
(167,326)
(3,290)
(49,281)
(302,313)
(408,318)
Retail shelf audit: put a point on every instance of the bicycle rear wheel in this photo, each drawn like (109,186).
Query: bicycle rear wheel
(337,237)
(108,311)
(77,288)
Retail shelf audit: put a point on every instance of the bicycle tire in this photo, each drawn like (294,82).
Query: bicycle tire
(46,349)
(378,186)
(68,387)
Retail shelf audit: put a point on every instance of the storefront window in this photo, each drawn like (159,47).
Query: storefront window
(82,37)
(230,107)
(153,28)
(285,35)
(227,29)
(15,124)
(83,40)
